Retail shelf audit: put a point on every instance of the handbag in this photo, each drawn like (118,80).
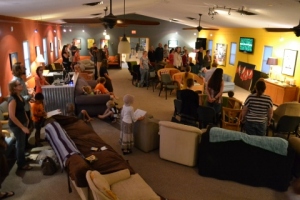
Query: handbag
(48,166)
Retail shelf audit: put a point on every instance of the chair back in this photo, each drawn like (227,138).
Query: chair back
(287,124)
(202,99)
(177,107)
(206,115)
(231,118)
(166,79)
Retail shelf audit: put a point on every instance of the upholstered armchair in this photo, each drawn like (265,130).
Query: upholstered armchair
(179,143)
(119,185)
(288,108)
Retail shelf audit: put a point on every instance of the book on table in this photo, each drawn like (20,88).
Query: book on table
(139,113)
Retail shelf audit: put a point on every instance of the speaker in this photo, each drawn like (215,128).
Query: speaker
(200,42)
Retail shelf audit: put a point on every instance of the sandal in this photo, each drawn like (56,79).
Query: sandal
(26,167)
(7,194)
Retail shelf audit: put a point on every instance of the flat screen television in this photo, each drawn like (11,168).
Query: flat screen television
(246,44)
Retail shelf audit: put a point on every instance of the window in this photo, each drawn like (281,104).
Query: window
(45,51)
(232,53)
(267,53)
(210,46)
(27,58)
(55,48)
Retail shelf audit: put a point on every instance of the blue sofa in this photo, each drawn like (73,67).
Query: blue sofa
(228,84)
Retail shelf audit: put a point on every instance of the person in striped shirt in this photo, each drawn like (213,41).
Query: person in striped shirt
(257,111)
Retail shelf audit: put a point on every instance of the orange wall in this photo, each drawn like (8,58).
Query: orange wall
(12,41)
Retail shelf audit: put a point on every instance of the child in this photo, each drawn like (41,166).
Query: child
(109,112)
(230,94)
(87,90)
(38,116)
(100,88)
(127,116)
(70,111)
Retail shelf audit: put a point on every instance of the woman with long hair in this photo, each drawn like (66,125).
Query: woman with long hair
(214,90)
(171,56)
(65,57)
(187,75)
(257,111)
(39,80)
(18,121)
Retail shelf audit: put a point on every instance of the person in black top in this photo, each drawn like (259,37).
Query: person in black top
(104,73)
(190,100)
(159,53)
(18,121)
(65,59)
(151,56)
(199,59)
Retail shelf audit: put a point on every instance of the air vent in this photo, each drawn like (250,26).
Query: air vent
(96,14)
(93,3)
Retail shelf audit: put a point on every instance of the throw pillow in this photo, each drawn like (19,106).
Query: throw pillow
(79,85)
(101,183)
(117,176)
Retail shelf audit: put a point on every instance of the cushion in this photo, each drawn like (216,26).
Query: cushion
(117,176)
(102,185)
(226,78)
(79,84)
(4,106)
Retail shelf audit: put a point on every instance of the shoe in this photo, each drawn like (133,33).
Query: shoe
(7,195)
(26,168)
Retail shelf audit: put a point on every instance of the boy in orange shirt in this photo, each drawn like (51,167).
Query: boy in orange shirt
(101,89)
(38,116)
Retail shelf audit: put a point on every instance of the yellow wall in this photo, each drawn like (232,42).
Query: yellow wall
(262,38)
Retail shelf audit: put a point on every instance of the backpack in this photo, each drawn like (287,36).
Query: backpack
(48,166)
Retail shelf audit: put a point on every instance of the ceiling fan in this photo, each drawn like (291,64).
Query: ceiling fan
(110,21)
(295,29)
(199,28)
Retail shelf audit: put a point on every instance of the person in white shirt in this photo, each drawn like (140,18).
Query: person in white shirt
(209,72)
(177,58)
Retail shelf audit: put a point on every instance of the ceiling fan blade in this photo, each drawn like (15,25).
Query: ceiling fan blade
(244,12)
(195,28)
(136,22)
(279,29)
(191,28)
(83,20)
(210,29)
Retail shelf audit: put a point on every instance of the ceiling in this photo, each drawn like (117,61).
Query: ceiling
(270,13)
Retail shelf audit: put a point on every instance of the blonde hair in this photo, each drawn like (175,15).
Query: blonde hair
(12,85)
(87,89)
(128,99)
(70,109)
(110,104)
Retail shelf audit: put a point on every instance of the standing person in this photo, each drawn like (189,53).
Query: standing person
(137,48)
(214,91)
(171,56)
(104,73)
(106,52)
(208,73)
(207,60)
(3,164)
(151,56)
(18,121)
(18,70)
(177,59)
(144,68)
(166,52)
(66,58)
(185,59)
(257,111)
(39,80)
(100,54)
(159,53)
(92,51)
(38,117)
(127,116)
(199,61)
(76,58)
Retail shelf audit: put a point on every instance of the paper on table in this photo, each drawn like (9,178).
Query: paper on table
(139,113)
(54,112)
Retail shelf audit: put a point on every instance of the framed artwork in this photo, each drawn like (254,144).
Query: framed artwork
(90,43)
(37,50)
(221,53)
(103,42)
(289,62)
(243,75)
(13,58)
(78,43)
(172,43)
(51,46)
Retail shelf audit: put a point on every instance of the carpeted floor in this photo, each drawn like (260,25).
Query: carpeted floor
(170,180)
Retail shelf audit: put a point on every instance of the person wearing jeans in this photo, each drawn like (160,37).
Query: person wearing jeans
(144,68)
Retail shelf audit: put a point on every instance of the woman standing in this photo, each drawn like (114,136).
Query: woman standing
(177,58)
(105,49)
(257,111)
(207,60)
(171,56)
(39,80)
(65,57)
(18,121)
(214,90)
(144,68)
(185,59)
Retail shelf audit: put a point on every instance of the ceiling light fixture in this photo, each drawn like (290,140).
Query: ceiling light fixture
(124,46)
(241,10)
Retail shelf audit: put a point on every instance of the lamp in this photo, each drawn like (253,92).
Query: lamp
(124,46)
(272,61)
(40,59)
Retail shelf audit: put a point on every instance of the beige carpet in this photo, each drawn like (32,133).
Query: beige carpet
(171,180)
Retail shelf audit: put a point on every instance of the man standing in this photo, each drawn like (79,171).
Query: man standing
(18,71)
(151,56)
(199,61)
(159,53)
(207,60)
(92,51)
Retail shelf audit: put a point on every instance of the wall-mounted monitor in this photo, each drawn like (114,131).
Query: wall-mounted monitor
(246,45)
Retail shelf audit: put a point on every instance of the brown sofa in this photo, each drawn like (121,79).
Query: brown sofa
(114,61)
